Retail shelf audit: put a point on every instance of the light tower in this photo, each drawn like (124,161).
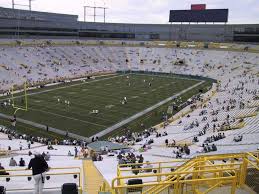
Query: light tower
(19,14)
(23,5)
(95,8)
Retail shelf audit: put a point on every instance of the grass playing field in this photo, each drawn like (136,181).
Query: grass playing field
(103,94)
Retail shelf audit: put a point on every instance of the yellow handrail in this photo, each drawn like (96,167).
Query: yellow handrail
(205,169)
(78,172)
(25,169)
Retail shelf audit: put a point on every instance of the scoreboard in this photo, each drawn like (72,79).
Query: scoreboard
(198,6)
(196,15)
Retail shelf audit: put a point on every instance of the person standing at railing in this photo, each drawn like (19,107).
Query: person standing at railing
(39,168)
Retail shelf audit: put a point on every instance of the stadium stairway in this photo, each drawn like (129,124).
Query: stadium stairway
(184,167)
(93,179)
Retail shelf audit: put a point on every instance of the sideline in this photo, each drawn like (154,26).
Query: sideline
(43,127)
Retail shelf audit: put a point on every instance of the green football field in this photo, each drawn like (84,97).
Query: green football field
(103,94)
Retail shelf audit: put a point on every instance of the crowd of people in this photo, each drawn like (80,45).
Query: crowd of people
(13,162)
(214,116)
(30,139)
(130,138)
(214,138)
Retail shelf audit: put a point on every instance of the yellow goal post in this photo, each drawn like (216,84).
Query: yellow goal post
(23,106)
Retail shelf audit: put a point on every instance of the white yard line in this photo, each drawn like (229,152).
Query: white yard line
(63,87)
(71,118)
(109,129)
(126,121)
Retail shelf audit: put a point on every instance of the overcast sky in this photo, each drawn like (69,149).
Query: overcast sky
(143,11)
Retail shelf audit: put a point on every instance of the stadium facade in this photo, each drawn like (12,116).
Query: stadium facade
(22,23)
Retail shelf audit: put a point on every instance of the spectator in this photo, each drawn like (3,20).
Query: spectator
(76,152)
(214,148)
(2,170)
(141,159)
(85,153)
(137,169)
(166,142)
(20,146)
(47,156)
(50,147)
(13,122)
(99,157)
(39,168)
(12,162)
(119,156)
(148,167)
(43,155)
(21,162)
(121,161)
(94,157)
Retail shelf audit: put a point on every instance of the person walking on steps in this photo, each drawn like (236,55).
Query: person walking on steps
(39,168)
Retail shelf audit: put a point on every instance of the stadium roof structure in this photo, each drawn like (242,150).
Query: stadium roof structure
(96,146)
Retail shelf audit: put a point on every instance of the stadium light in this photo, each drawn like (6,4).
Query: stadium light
(24,5)
(94,8)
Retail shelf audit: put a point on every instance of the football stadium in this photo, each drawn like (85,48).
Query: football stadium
(104,107)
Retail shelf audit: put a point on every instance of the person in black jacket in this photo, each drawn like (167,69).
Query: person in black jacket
(21,162)
(39,168)
(2,170)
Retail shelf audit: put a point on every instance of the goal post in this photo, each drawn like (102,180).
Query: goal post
(23,104)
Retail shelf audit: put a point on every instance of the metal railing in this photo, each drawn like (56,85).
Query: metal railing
(21,175)
(201,174)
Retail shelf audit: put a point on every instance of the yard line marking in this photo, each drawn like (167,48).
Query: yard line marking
(71,118)
(141,113)
(109,106)
(69,111)
(79,104)
(63,87)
